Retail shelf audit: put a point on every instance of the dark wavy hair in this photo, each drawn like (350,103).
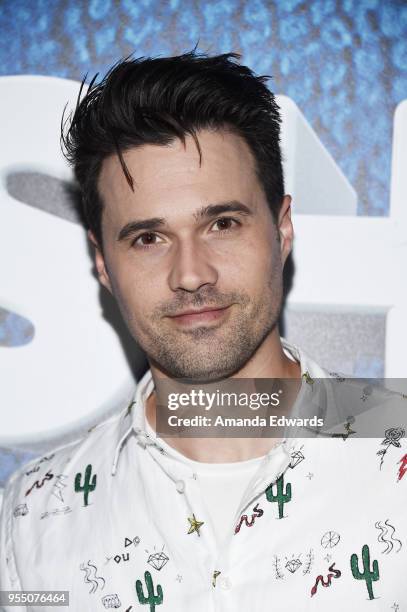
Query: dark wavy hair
(155,100)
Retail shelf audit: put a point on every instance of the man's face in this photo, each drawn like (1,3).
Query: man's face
(193,238)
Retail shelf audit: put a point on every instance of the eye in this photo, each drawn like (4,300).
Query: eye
(147,239)
(224,224)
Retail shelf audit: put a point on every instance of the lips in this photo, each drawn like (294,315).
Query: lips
(199,311)
(205,315)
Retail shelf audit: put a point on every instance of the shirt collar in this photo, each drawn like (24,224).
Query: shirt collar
(133,417)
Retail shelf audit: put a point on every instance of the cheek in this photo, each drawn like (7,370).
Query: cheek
(138,293)
(253,264)
(128,287)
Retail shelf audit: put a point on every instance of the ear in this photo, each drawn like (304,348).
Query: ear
(103,274)
(285,228)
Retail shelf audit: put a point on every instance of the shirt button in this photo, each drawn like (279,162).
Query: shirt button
(180,486)
(225,583)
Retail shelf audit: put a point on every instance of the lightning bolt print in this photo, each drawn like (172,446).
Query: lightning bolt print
(403,467)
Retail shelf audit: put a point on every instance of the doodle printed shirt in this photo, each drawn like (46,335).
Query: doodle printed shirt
(122,523)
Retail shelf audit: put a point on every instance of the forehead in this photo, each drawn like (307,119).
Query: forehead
(167,178)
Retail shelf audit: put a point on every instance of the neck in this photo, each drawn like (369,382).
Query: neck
(269,361)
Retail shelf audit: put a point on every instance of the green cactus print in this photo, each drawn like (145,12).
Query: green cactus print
(280,497)
(88,486)
(367,575)
(153,600)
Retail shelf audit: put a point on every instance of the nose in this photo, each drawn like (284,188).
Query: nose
(191,268)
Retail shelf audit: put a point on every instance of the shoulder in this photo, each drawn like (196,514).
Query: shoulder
(104,435)
(364,403)
(49,485)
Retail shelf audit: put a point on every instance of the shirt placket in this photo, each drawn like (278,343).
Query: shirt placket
(216,559)
(273,466)
(186,484)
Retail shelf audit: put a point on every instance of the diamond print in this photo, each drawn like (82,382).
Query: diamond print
(296,458)
(158,560)
(293,565)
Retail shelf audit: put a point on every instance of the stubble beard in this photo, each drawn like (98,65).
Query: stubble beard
(206,354)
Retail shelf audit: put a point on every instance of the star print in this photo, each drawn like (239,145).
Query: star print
(306,376)
(195,525)
(349,431)
(309,475)
(395,607)
(179,578)
(328,557)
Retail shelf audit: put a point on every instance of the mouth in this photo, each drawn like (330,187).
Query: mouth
(202,315)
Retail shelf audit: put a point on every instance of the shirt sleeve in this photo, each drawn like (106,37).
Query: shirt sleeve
(9,578)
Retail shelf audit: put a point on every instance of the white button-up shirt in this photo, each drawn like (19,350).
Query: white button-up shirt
(120,522)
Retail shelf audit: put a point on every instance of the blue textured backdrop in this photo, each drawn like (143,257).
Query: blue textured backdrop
(344,63)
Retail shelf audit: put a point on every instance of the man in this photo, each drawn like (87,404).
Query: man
(180,168)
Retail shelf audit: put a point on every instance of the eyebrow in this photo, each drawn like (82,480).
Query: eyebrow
(206,212)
